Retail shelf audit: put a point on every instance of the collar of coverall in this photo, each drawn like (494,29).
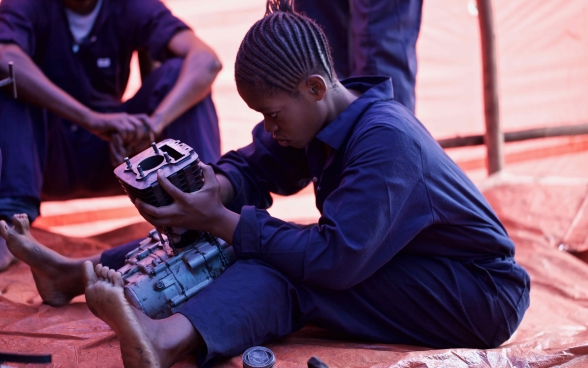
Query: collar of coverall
(373,89)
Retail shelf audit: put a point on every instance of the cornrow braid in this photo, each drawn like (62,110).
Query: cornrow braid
(282,49)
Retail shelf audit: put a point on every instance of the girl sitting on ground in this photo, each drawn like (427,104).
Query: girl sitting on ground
(406,251)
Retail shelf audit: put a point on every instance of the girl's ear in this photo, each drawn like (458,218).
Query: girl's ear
(316,86)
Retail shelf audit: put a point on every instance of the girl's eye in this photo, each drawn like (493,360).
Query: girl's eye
(273,115)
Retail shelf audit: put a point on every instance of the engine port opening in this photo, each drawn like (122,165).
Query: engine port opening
(172,152)
(151,162)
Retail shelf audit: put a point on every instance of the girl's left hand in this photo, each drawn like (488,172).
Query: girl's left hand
(199,210)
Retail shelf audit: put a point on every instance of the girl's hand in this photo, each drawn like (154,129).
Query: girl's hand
(201,210)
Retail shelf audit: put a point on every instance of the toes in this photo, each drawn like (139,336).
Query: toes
(4,229)
(98,271)
(26,223)
(117,279)
(21,223)
(88,274)
(104,273)
(109,275)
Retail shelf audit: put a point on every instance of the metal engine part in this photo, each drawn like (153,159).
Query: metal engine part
(162,274)
(158,282)
(179,164)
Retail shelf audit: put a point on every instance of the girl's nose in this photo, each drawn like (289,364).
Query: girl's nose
(269,126)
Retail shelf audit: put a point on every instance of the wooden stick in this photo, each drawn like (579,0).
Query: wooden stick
(521,135)
(493,137)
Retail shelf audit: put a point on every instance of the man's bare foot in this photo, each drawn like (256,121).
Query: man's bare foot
(58,278)
(6,258)
(105,298)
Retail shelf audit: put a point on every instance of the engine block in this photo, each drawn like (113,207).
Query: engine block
(179,164)
(161,274)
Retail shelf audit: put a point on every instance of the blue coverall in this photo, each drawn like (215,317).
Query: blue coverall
(49,157)
(371,37)
(406,251)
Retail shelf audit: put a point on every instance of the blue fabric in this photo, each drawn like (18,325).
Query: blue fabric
(427,301)
(406,250)
(41,29)
(48,157)
(372,37)
(44,153)
(19,204)
(385,187)
(114,258)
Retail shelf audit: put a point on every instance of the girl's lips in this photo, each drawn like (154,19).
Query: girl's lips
(279,139)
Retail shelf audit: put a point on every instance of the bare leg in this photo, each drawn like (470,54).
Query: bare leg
(144,342)
(58,278)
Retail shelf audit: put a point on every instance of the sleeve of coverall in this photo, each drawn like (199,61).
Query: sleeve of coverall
(156,25)
(261,168)
(380,205)
(17,23)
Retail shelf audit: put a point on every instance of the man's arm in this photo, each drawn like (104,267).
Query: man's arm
(199,70)
(34,87)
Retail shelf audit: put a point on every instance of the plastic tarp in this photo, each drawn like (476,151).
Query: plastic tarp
(541,47)
(543,220)
(543,78)
(541,53)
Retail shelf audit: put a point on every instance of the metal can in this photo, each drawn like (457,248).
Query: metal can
(258,357)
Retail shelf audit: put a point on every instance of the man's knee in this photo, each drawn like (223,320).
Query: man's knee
(164,77)
(154,88)
(172,66)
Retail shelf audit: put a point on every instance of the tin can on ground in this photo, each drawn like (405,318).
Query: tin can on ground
(258,357)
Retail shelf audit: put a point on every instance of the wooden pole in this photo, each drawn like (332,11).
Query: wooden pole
(493,138)
(520,135)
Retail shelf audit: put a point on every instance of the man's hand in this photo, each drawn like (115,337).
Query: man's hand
(117,150)
(155,122)
(201,210)
(136,134)
(131,128)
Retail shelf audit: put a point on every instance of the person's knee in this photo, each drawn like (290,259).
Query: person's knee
(169,70)
(514,318)
(172,64)
(156,85)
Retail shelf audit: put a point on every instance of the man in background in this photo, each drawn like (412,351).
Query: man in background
(371,37)
(61,137)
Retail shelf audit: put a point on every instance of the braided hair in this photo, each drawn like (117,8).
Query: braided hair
(282,49)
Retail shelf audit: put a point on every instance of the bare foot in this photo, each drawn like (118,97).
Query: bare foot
(105,298)
(6,258)
(58,278)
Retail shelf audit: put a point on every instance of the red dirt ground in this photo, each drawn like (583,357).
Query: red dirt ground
(542,197)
